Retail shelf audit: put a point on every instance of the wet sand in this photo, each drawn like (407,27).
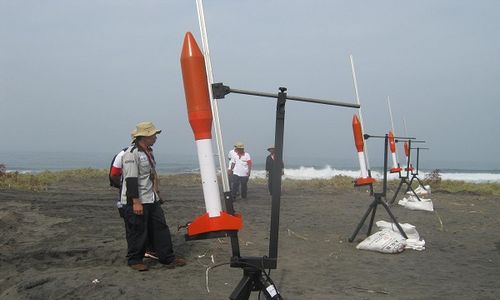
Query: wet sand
(68,243)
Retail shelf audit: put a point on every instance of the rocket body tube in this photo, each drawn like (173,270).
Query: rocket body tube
(407,154)
(358,141)
(200,118)
(392,145)
(209,177)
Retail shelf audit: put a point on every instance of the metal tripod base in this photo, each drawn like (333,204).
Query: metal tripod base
(403,180)
(254,280)
(373,209)
(414,176)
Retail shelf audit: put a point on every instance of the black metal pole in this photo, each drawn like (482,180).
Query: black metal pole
(276,174)
(233,236)
(418,157)
(386,142)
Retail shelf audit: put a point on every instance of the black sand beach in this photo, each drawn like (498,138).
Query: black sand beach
(68,243)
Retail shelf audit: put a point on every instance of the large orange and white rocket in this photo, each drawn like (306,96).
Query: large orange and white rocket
(392,145)
(358,141)
(200,117)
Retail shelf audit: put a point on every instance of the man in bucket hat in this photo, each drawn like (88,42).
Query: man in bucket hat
(241,167)
(140,198)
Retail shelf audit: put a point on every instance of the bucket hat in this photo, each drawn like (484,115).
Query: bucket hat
(145,129)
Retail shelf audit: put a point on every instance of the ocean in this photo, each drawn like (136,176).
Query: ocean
(296,168)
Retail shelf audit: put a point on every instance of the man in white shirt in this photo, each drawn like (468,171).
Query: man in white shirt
(241,167)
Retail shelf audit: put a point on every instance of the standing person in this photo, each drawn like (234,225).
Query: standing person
(270,161)
(115,179)
(115,174)
(241,167)
(230,155)
(141,202)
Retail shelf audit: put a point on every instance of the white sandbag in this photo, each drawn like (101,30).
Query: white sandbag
(421,190)
(412,203)
(410,230)
(384,241)
(413,242)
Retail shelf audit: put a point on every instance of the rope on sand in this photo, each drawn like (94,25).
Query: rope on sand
(291,232)
(440,221)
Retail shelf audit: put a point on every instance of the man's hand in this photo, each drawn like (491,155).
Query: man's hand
(137,206)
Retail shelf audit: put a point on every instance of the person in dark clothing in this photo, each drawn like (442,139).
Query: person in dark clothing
(270,161)
(144,217)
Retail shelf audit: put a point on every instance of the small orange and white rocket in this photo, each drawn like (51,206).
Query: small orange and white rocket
(365,178)
(407,154)
(196,90)
(392,145)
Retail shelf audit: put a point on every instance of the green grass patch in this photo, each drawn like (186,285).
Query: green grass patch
(41,181)
(448,186)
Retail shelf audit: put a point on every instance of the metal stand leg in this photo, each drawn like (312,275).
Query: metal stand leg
(372,209)
(397,192)
(409,184)
(421,183)
(403,180)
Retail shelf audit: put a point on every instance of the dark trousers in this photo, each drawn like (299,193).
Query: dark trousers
(235,186)
(150,226)
(270,184)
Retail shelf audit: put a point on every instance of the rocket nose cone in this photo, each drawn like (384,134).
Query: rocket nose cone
(355,120)
(190,47)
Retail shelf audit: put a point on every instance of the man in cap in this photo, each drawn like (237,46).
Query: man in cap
(241,167)
(270,161)
(140,198)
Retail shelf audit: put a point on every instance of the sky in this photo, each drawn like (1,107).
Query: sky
(78,75)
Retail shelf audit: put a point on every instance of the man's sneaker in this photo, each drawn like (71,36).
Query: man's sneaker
(139,267)
(177,262)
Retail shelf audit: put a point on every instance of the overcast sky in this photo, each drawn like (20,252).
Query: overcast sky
(78,75)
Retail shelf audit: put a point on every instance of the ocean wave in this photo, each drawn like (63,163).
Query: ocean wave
(327,172)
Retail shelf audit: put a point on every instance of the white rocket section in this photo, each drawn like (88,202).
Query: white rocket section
(394,160)
(362,165)
(209,177)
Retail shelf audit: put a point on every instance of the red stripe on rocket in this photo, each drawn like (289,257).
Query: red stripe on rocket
(358,141)
(199,110)
(392,145)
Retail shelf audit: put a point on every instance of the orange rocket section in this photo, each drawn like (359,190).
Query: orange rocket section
(195,81)
(358,134)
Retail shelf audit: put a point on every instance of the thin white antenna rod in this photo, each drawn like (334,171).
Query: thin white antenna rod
(213,102)
(390,114)
(360,115)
